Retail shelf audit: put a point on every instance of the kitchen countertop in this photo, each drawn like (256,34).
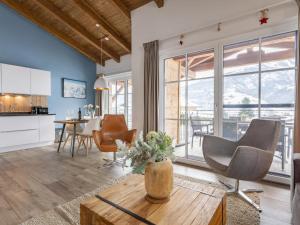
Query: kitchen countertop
(25,114)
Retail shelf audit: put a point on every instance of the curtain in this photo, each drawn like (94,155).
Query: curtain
(151,86)
(98,101)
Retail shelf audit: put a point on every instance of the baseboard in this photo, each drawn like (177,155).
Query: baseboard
(24,147)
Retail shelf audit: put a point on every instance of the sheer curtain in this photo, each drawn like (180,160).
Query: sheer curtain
(151,86)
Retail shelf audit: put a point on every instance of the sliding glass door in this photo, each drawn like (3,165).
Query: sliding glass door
(189,101)
(254,79)
(259,82)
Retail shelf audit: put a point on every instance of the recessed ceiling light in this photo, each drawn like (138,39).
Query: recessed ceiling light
(97,25)
(106,38)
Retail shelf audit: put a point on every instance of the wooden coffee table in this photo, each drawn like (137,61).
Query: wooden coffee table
(190,203)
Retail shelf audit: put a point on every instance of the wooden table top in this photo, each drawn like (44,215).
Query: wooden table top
(71,121)
(194,203)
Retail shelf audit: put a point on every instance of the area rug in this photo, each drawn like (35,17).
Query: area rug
(238,212)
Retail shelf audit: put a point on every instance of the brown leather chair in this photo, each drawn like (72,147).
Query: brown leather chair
(113,128)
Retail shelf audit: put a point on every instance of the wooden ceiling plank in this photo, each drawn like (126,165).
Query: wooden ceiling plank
(122,7)
(28,14)
(159,3)
(76,27)
(107,28)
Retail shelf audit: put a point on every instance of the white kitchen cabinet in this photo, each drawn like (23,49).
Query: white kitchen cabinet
(47,129)
(14,123)
(22,132)
(17,138)
(40,82)
(15,79)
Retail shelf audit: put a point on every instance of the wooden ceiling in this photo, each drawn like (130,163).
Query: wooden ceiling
(89,26)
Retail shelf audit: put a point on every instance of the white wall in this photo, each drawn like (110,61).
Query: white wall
(194,19)
(112,67)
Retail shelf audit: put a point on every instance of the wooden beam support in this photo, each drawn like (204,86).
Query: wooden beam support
(69,41)
(76,27)
(159,3)
(123,8)
(107,28)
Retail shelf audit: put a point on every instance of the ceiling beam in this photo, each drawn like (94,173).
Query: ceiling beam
(159,3)
(122,7)
(107,28)
(69,41)
(76,27)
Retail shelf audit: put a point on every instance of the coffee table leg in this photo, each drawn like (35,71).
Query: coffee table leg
(61,136)
(73,139)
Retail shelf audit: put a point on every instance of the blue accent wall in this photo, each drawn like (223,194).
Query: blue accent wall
(25,44)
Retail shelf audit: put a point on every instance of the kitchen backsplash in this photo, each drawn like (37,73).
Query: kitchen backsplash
(21,103)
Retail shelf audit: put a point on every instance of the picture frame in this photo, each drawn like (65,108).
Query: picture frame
(74,88)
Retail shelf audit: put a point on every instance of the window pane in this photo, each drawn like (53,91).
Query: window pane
(241,89)
(201,65)
(240,104)
(175,100)
(175,69)
(120,87)
(120,104)
(201,97)
(241,58)
(278,51)
(278,87)
(112,98)
(176,130)
(129,86)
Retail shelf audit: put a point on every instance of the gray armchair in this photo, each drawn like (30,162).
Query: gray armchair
(246,159)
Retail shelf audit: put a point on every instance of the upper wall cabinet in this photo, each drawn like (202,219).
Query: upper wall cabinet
(23,80)
(40,82)
(15,79)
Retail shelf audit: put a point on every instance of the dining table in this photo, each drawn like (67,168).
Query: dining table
(74,123)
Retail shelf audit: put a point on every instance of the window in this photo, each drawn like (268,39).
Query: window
(189,101)
(256,80)
(120,99)
(259,82)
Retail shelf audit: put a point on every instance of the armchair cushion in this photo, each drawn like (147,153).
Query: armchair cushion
(213,145)
(249,163)
(219,162)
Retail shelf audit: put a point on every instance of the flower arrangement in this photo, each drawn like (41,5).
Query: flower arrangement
(91,109)
(157,148)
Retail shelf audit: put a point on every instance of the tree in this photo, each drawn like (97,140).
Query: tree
(245,113)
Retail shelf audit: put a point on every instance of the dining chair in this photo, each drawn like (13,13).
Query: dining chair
(86,136)
(69,131)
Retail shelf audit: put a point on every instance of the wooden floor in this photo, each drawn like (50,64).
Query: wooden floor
(36,180)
